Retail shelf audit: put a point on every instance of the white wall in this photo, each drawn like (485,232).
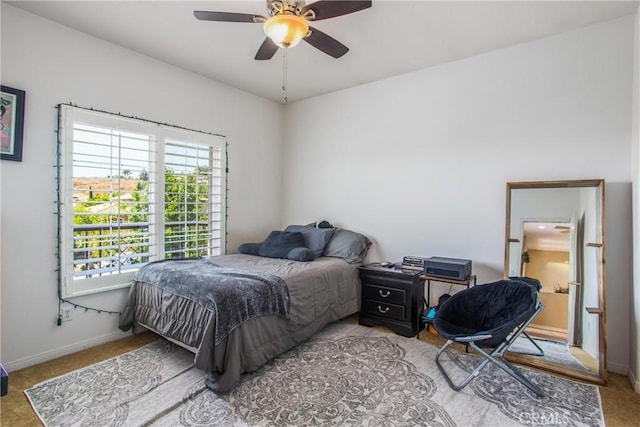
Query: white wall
(55,64)
(419,162)
(635,324)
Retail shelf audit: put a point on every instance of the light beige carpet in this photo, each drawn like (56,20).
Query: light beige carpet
(345,375)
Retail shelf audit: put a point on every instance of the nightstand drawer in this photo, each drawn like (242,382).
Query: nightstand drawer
(383,309)
(384,294)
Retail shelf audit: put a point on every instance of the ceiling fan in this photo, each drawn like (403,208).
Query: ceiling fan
(562,229)
(287,24)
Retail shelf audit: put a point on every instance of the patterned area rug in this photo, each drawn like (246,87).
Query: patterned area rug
(345,375)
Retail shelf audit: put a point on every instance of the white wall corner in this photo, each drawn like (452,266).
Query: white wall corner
(618,368)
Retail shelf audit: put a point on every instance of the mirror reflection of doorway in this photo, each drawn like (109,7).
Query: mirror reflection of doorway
(550,255)
(546,257)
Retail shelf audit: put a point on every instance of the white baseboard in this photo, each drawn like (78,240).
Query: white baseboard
(635,384)
(618,368)
(62,351)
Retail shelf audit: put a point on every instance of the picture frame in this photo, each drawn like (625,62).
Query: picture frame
(11,123)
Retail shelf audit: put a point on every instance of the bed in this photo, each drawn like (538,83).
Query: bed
(315,293)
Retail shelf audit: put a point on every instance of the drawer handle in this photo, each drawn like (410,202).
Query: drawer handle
(383,311)
(384,295)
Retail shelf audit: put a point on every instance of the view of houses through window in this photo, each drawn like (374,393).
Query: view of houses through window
(136,192)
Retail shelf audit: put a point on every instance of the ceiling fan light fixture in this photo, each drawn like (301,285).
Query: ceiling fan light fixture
(286,30)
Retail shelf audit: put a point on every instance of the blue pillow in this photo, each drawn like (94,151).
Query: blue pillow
(278,244)
(301,254)
(249,248)
(315,239)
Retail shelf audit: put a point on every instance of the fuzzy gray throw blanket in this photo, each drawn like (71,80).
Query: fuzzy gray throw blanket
(235,296)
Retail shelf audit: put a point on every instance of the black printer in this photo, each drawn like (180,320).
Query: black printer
(449,268)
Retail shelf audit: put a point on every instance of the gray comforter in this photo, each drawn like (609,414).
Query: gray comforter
(233,296)
(320,292)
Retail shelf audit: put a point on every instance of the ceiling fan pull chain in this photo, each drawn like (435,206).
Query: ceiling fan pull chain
(284,75)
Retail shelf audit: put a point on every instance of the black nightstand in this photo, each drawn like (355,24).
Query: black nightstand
(391,298)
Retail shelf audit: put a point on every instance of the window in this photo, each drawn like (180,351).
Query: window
(132,192)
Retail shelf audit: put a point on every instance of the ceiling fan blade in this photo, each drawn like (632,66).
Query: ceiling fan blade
(267,49)
(227,16)
(325,43)
(325,9)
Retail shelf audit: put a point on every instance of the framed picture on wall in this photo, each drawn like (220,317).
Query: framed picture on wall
(11,123)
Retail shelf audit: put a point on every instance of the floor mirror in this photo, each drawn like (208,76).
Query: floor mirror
(555,233)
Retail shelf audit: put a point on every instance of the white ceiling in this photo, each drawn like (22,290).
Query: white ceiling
(547,236)
(390,38)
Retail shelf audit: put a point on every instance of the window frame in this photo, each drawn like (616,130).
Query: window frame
(160,134)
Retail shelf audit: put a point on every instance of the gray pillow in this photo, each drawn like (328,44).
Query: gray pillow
(315,239)
(349,245)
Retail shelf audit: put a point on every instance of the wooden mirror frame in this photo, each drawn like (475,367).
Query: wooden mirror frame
(601,376)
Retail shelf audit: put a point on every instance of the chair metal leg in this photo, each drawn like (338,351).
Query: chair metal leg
(495,357)
(521,331)
(509,369)
(540,350)
(467,380)
(523,379)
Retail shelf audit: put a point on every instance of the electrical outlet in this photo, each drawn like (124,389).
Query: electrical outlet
(67,314)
